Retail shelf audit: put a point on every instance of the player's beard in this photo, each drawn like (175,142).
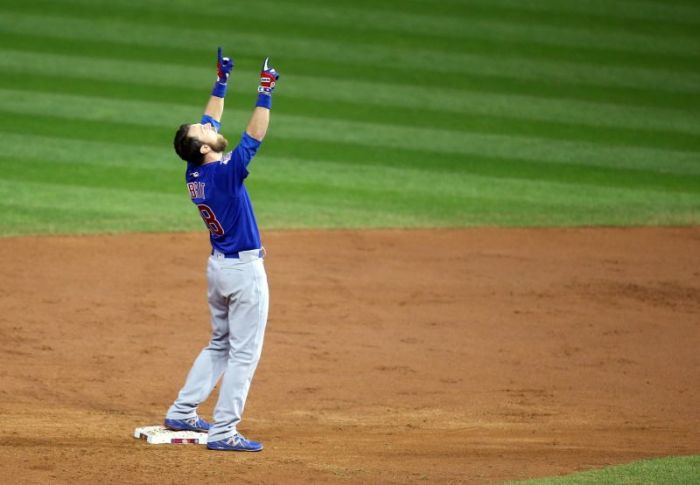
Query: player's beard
(220,144)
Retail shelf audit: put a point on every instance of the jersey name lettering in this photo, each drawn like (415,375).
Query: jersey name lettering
(196,189)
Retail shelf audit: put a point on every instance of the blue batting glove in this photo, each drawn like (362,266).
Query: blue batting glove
(224,65)
(268,80)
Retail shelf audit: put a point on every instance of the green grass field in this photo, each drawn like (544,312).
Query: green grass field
(388,114)
(679,470)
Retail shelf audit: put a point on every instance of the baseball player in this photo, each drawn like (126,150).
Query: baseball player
(237,283)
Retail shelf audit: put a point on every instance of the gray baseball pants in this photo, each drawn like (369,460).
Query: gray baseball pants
(238,298)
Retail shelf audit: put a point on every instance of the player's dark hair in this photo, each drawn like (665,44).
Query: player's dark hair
(187,147)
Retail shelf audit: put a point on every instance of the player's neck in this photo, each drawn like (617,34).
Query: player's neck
(211,157)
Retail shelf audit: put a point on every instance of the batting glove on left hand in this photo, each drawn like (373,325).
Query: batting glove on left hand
(268,80)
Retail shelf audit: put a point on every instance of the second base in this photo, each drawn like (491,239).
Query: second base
(158,435)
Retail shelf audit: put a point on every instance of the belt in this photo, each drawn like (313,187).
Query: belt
(250,254)
(219,254)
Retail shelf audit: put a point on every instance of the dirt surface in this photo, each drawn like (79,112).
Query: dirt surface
(472,356)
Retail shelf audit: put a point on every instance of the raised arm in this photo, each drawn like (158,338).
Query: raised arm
(257,126)
(215,106)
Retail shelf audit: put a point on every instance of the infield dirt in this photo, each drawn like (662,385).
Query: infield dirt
(475,355)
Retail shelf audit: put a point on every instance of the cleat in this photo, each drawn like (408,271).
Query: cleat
(190,424)
(235,443)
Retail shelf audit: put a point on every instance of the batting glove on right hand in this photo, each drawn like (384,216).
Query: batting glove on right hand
(224,65)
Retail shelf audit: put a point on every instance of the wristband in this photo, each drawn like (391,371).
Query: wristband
(264,101)
(208,119)
(219,89)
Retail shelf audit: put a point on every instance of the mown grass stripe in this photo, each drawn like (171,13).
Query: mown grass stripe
(163,83)
(579,29)
(692,4)
(369,206)
(488,165)
(472,210)
(495,159)
(514,39)
(170,179)
(45,208)
(129,153)
(673,11)
(463,125)
(475,129)
(342,176)
(60,150)
(611,17)
(614,16)
(137,178)
(669,470)
(421,108)
(674,15)
(420,181)
(421,59)
(504,156)
(499,47)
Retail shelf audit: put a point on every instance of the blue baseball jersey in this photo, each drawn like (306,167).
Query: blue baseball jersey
(218,191)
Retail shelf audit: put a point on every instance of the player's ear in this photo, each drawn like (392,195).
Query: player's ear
(204,149)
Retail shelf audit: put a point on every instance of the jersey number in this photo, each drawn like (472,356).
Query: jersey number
(213,225)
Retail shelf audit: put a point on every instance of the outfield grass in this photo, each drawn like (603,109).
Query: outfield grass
(680,470)
(395,113)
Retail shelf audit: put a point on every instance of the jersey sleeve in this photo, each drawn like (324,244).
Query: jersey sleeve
(208,119)
(246,150)
(235,163)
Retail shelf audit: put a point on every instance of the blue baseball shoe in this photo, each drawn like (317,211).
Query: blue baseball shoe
(189,424)
(235,443)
